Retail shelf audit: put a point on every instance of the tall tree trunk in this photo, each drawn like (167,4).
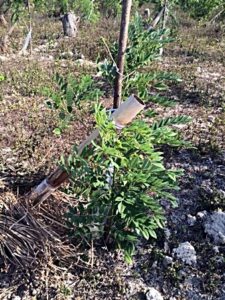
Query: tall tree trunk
(125,19)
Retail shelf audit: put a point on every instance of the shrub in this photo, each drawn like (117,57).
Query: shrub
(70,94)
(120,181)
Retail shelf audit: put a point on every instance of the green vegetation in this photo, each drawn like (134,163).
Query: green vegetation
(143,48)
(119,183)
(70,94)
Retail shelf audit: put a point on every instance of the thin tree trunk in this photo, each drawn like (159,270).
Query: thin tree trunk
(125,19)
(7,36)
(121,117)
(165,19)
(3,21)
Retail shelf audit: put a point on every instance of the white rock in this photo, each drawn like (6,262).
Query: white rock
(3,58)
(186,252)
(215,227)
(202,214)
(68,54)
(135,286)
(167,261)
(216,249)
(16,298)
(84,62)
(153,294)
(191,220)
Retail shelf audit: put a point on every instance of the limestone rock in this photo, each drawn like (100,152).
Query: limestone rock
(153,294)
(215,227)
(186,253)
(191,220)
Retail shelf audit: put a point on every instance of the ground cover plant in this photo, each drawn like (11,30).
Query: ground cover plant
(58,266)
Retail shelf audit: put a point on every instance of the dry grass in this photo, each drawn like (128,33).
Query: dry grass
(33,237)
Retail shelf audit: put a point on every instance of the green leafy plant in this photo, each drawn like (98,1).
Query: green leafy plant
(143,48)
(110,8)
(69,94)
(199,9)
(120,181)
(87,9)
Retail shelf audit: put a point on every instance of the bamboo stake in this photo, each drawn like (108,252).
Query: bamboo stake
(157,19)
(121,117)
(165,19)
(28,39)
(26,42)
(125,18)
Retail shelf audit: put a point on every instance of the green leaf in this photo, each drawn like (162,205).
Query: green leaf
(120,208)
(161,86)
(128,258)
(145,234)
(57,131)
(152,233)
(171,121)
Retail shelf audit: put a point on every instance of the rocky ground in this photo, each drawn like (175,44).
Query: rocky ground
(187,261)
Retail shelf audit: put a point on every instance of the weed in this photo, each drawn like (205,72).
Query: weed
(29,81)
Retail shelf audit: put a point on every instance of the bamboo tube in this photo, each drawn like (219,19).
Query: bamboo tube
(127,111)
(121,117)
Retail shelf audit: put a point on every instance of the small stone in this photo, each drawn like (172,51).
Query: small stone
(186,252)
(36,283)
(3,58)
(211,118)
(191,220)
(202,214)
(167,233)
(66,55)
(216,249)
(182,274)
(153,294)
(155,264)
(167,261)
(16,298)
(33,292)
(215,227)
